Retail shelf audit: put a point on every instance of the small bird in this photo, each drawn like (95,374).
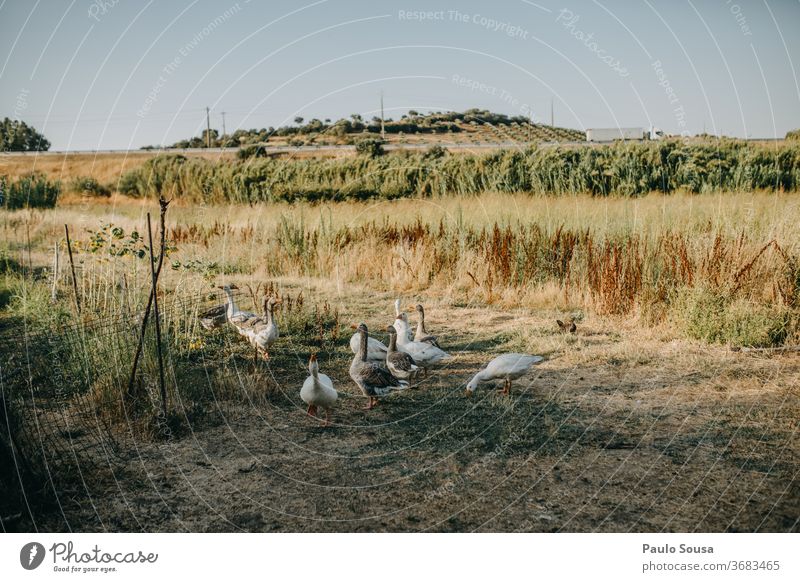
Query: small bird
(506,367)
(318,392)
(400,364)
(373,380)
(567,327)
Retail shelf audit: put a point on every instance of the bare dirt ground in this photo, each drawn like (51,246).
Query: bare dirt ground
(618,430)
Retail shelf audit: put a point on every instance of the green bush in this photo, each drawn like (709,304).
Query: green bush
(711,317)
(29,191)
(370,147)
(88,186)
(435,152)
(253,151)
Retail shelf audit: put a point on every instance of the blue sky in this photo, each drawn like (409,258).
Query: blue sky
(122,73)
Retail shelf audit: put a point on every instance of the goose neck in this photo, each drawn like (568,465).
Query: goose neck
(362,351)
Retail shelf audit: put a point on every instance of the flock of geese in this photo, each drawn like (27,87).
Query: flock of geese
(377,369)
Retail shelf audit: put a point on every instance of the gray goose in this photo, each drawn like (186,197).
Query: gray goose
(214,317)
(421,335)
(262,332)
(373,380)
(400,364)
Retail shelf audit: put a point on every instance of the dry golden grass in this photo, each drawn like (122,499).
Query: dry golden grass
(104,167)
(626,426)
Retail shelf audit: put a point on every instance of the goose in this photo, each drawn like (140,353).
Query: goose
(373,380)
(318,391)
(425,355)
(400,364)
(398,312)
(262,332)
(506,367)
(421,335)
(234,315)
(214,317)
(376,349)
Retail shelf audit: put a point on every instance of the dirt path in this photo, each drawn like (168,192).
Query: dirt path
(618,430)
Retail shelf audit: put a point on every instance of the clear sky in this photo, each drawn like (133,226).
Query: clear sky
(124,73)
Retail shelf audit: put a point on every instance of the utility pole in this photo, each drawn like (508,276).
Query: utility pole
(208,128)
(383,130)
(552,117)
(224,133)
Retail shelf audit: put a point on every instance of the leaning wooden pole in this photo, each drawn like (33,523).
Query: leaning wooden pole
(157,318)
(56,271)
(72,266)
(132,380)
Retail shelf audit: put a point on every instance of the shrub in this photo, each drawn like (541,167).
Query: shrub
(435,152)
(29,191)
(793,135)
(710,316)
(370,147)
(253,151)
(88,186)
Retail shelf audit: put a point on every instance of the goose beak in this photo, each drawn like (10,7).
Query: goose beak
(468,393)
(278,302)
(313,358)
(353,326)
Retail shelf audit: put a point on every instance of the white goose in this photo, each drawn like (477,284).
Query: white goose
(235,316)
(376,349)
(425,355)
(398,312)
(318,392)
(506,367)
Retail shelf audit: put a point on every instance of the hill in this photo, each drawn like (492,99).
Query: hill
(474,126)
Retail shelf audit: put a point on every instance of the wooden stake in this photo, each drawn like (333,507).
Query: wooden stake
(158,320)
(72,266)
(164,204)
(56,268)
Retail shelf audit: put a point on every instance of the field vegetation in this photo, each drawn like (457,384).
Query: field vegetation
(622,170)
(662,284)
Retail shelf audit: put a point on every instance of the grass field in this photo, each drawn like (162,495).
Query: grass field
(645,420)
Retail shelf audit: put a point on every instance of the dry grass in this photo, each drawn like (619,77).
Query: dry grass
(627,426)
(621,429)
(607,256)
(104,167)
